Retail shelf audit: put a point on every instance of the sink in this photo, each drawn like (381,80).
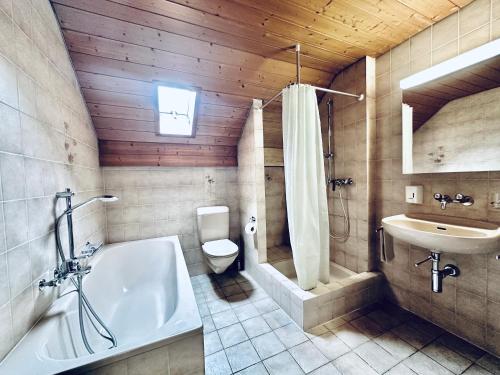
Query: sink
(442,234)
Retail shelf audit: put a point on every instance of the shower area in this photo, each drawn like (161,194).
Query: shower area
(348,136)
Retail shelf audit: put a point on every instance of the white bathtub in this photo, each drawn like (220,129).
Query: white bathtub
(142,291)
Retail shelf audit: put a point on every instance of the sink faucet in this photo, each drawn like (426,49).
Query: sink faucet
(444,199)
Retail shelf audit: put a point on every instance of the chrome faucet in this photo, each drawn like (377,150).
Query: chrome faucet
(75,267)
(72,265)
(444,200)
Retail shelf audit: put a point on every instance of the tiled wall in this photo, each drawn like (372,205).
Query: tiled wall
(47,143)
(159,201)
(251,181)
(353,133)
(276,219)
(470,304)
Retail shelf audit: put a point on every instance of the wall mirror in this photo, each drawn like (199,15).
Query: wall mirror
(451,114)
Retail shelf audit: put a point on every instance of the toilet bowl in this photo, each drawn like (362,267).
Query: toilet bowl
(219,254)
(213,231)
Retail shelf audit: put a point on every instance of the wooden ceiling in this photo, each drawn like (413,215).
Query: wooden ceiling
(427,99)
(235,50)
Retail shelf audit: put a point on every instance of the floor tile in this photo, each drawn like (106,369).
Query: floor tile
(212,343)
(224,319)
(308,356)
(208,324)
(257,369)
(377,357)
(248,285)
(255,326)
(367,327)
(282,364)
(350,335)
(241,356)
(428,328)
(246,312)
(231,290)
(330,345)
(327,369)
(447,357)
(400,369)
(462,347)
(424,365)
(267,345)
(334,323)
(277,318)
(383,319)
(217,364)
(232,335)
(399,348)
(477,370)
(316,331)
(224,280)
(290,335)
(218,306)
(213,295)
(414,337)
(266,305)
(352,364)
(256,294)
(203,309)
(490,363)
(237,300)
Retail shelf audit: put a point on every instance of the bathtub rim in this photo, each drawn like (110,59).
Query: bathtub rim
(29,348)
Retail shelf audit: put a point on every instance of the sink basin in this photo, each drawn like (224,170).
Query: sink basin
(442,234)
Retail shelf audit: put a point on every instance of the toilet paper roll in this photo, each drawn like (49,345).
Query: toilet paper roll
(251,228)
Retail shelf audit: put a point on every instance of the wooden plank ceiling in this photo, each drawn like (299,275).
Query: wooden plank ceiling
(235,50)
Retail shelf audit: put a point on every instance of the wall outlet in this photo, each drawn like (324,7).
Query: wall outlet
(415,194)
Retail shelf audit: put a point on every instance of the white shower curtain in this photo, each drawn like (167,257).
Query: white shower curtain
(305,184)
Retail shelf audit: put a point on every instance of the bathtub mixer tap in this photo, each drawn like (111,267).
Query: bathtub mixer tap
(76,267)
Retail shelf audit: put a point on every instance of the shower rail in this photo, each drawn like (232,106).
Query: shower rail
(330,91)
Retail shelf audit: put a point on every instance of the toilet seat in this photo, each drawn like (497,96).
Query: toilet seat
(220,248)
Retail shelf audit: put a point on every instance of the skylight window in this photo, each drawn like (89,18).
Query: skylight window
(176,110)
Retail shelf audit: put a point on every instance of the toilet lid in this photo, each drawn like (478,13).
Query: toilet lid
(220,248)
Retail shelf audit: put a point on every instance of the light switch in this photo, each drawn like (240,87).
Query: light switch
(415,194)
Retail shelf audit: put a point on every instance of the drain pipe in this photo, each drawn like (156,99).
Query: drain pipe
(438,275)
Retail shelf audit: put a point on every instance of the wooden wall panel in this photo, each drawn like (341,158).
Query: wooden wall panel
(233,50)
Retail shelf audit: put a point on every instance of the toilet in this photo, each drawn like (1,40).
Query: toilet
(213,231)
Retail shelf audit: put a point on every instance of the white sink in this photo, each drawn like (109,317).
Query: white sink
(442,234)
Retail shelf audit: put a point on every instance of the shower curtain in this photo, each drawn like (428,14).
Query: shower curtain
(305,185)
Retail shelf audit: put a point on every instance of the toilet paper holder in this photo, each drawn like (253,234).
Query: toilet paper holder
(251,227)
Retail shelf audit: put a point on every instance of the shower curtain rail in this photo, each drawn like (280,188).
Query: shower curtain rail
(297,63)
(360,97)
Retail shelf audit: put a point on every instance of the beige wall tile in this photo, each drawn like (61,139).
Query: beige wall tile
(474,15)
(463,306)
(445,31)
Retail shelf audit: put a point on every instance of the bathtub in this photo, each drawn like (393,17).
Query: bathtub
(142,291)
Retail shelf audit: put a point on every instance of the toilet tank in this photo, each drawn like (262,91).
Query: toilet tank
(213,223)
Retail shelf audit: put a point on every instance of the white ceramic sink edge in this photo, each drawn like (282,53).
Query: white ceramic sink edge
(441,237)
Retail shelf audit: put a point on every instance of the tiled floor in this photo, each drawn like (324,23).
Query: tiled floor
(278,253)
(247,333)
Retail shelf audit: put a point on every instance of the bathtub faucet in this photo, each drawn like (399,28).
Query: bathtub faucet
(73,265)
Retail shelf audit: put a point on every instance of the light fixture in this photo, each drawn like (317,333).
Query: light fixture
(452,65)
(176,109)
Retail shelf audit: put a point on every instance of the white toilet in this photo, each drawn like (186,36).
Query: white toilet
(213,231)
